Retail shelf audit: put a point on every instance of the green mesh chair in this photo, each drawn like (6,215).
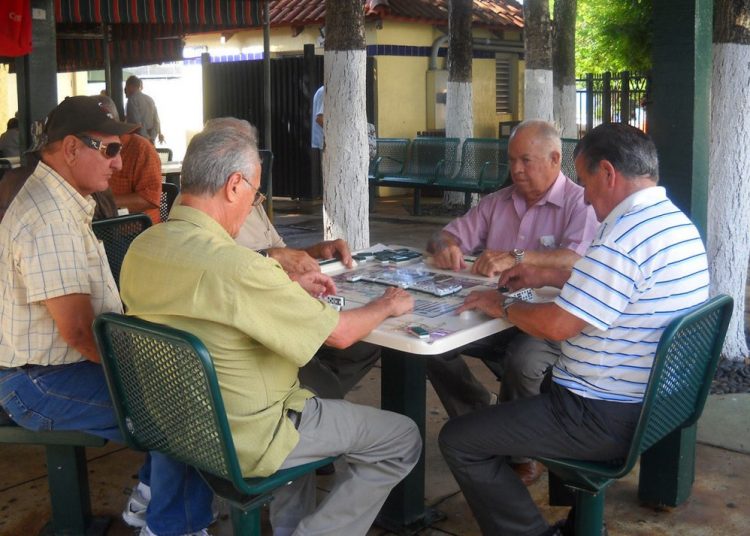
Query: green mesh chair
(116,234)
(567,162)
(167,399)
(685,363)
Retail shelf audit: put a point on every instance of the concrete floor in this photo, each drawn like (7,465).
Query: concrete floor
(719,503)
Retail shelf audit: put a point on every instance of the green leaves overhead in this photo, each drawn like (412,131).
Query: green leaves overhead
(613,35)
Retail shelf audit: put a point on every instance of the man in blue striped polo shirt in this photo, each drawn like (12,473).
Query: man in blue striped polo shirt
(646,265)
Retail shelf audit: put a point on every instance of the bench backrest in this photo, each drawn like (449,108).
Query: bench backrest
(116,234)
(166,394)
(390,157)
(426,155)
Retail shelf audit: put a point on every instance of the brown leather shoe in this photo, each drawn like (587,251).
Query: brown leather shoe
(528,472)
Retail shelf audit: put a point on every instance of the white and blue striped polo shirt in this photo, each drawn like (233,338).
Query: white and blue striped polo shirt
(646,265)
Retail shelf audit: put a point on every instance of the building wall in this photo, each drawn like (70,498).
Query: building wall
(401,50)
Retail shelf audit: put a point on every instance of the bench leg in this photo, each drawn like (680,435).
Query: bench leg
(245,523)
(417,202)
(668,469)
(69,492)
(589,513)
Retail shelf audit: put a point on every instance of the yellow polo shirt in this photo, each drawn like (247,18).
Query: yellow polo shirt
(259,326)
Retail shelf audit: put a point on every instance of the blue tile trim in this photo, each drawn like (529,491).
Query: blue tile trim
(406,50)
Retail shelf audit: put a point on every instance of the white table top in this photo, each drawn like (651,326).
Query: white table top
(448,331)
(171,167)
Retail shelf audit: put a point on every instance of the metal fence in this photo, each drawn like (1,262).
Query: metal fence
(611,98)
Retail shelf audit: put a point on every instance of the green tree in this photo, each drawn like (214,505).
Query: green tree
(613,35)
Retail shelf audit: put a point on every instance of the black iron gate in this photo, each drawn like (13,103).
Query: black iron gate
(236,89)
(611,98)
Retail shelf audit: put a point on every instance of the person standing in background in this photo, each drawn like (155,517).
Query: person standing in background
(141,110)
(10,140)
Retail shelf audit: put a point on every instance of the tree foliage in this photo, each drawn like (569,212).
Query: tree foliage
(613,35)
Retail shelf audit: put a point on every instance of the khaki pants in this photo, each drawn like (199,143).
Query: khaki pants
(377,448)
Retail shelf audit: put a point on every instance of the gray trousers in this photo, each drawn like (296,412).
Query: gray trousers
(519,359)
(555,424)
(378,449)
(331,373)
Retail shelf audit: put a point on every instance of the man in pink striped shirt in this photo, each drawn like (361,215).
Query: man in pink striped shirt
(541,220)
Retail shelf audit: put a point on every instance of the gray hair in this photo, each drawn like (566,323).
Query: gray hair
(541,129)
(109,105)
(628,149)
(225,146)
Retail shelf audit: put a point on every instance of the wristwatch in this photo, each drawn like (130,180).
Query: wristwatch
(518,255)
(262,252)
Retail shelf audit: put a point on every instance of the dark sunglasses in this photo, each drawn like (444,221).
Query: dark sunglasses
(108,150)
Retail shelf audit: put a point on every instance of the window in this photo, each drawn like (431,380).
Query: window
(503,84)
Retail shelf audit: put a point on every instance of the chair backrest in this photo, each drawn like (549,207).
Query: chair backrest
(427,154)
(266,166)
(165,155)
(169,193)
(165,393)
(117,234)
(567,162)
(684,366)
(390,157)
(5,165)
(483,159)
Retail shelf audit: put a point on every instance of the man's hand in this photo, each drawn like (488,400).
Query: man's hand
(329,249)
(397,301)
(493,263)
(315,283)
(526,275)
(449,257)
(487,301)
(294,261)
(161,137)
(521,275)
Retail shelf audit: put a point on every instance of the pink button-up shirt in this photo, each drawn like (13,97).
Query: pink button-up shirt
(501,221)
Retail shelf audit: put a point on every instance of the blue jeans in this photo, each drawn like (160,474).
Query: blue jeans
(75,397)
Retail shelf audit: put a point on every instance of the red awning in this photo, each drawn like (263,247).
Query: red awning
(142,32)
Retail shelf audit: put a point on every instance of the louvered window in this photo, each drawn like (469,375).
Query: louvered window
(503,85)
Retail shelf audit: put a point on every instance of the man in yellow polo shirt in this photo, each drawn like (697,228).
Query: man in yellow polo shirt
(261,327)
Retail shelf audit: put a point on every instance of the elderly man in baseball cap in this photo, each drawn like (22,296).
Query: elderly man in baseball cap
(54,279)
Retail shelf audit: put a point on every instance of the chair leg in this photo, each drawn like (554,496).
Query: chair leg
(589,519)
(247,522)
(668,469)
(68,488)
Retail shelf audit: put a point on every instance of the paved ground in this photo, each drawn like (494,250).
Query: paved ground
(719,503)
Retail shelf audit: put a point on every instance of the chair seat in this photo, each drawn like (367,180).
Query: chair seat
(260,485)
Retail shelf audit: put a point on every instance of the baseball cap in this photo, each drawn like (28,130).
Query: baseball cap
(75,115)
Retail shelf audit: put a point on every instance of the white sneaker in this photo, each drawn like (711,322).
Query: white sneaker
(134,513)
(145,531)
(493,399)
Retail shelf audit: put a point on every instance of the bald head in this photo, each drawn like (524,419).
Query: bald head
(534,154)
(544,131)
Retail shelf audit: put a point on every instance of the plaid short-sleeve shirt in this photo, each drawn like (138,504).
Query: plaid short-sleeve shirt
(47,250)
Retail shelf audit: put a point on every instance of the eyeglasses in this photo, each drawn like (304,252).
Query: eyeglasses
(259,196)
(108,150)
